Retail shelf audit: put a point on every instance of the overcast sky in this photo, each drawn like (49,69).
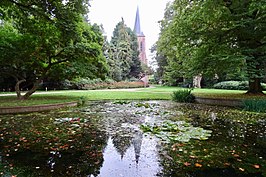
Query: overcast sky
(109,13)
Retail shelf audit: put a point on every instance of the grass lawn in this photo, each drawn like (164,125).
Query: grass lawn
(208,93)
(153,93)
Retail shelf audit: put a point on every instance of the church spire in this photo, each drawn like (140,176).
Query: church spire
(141,39)
(137,28)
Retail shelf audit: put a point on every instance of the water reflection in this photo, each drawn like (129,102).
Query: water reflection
(104,140)
(140,159)
(128,152)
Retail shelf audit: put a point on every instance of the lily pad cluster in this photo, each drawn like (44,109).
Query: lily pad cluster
(176,131)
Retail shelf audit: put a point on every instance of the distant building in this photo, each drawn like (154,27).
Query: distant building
(141,39)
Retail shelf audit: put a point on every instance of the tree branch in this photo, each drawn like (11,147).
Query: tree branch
(59,61)
(29,7)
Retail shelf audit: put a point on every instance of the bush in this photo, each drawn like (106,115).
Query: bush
(255,105)
(88,84)
(235,85)
(183,96)
(232,85)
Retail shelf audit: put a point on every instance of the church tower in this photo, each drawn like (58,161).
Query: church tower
(141,39)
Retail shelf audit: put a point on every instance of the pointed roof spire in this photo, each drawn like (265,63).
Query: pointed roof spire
(137,28)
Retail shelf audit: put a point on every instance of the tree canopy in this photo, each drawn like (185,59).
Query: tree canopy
(216,37)
(122,53)
(43,37)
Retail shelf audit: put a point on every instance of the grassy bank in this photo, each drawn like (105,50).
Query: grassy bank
(153,93)
(68,96)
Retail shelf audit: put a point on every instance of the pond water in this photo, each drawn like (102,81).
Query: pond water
(107,139)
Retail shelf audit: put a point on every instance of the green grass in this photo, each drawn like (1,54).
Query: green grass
(68,96)
(154,93)
(6,101)
(208,93)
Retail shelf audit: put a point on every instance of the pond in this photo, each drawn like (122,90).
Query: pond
(132,139)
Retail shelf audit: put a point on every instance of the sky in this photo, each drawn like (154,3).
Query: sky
(110,12)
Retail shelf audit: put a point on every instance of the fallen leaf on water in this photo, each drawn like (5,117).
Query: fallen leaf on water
(193,157)
(227,164)
(187,164)
(198,165)
(256,166)
(235,155)
(241,169)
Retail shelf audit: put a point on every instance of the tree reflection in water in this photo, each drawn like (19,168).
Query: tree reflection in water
(104,140)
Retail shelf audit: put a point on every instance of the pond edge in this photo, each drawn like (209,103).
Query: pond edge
(46,107)
(219,101)
(35,108)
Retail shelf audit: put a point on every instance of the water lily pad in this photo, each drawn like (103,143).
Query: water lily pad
(176,131)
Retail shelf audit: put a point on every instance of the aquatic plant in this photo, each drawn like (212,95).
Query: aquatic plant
(145,105)
(183,96)
(82,100)
(177,131)
(255,105)
(121,102)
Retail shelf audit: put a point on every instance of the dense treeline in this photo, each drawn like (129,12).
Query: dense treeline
(220,39)
(41,39)
(49,43)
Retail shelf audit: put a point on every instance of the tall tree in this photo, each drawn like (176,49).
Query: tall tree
(170,68)
(161,62)
(123,52)
(214,37)
(136,67)
(48,35)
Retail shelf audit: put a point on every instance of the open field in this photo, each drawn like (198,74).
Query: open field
(152,93)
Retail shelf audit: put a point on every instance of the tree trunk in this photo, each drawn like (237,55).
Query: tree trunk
(197,81)
(255,86)
(17,88)
(32,90)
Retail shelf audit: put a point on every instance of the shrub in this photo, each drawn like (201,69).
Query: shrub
(255,105)
(183,96)
(235,85)
(94,84)
(232,85)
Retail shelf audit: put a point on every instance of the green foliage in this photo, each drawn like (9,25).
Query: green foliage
(215,37)
(122,53)
(82,100)
(234,85)
(49,39)
(121,102)
(183,96)
(145,105)
(179,131)
(255,105)
(94,84)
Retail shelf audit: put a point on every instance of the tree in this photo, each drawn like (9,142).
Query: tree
(215,37)
(48,35)
(123,53)
(169,68)
(161,62)
(136,67)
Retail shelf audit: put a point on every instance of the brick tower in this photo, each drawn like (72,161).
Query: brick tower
(141,39)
